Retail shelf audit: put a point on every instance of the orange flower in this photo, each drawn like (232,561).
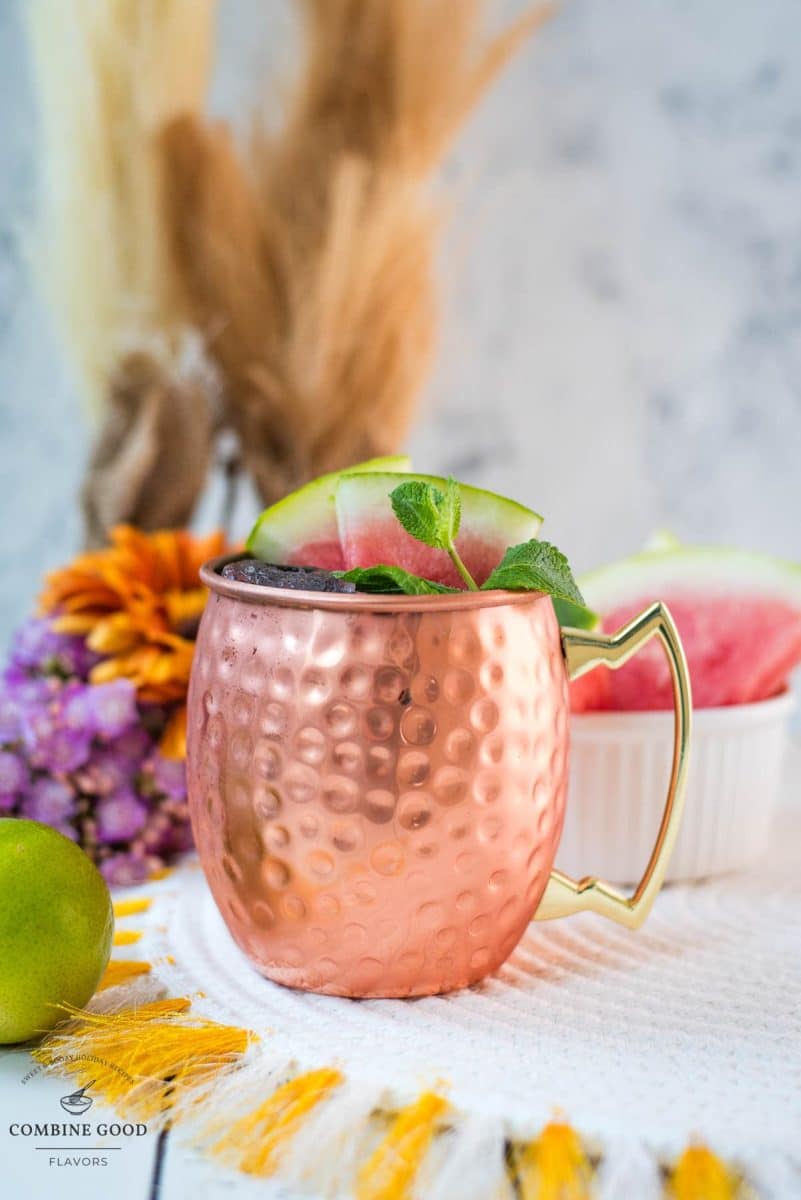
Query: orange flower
(138,602)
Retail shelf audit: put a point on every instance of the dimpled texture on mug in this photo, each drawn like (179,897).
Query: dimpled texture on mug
(377,797)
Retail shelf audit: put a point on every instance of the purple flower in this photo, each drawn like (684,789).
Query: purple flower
(83,757)
(168,831)
(27,692)
(156,834)
(52,745)
(169,776)
(106,710)
(37,724)
(182,839)
(13,773)
(14,779)
(68,830)
(51,801)
(106,772)
(10,728)
(134,745)
(76,706)
(113,707)
(120,817)
(38,648)
(34,643)
(122,870)
(177,839)
(80,657)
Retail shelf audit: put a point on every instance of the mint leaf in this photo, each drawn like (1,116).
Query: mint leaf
(424,512)
(452,509)
(392,581)
(537,567)
(433,517)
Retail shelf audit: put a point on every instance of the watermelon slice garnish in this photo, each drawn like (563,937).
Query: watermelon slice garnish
(738,614)
(301,529)
(370,533)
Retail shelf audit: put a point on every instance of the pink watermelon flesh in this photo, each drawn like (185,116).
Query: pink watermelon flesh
(383,541)
(739,650)
(324,554)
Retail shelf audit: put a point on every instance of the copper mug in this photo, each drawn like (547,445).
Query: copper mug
(377,783)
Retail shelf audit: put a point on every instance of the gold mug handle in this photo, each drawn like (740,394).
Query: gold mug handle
(583,651)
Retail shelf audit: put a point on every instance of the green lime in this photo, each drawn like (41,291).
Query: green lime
(56,925)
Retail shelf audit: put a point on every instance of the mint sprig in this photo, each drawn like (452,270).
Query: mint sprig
(433,517)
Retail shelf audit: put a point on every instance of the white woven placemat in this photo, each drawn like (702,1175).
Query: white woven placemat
(690,1027)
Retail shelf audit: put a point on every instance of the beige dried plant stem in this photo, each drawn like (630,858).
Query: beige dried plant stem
(109,73)
(309,258)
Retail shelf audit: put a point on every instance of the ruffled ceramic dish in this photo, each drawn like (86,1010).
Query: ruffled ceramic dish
(619,762)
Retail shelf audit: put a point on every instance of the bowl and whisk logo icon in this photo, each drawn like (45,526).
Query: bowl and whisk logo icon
(77,1102)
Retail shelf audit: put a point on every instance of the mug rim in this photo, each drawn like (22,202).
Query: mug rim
(252,593)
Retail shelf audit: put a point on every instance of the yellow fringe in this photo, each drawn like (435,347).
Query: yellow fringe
(127,937)
(163,872)
(253,1143)
(146,1061)
(554,1166)
(389,1172)
(121,970)
(141,1060)
(129,908)
(698,1174)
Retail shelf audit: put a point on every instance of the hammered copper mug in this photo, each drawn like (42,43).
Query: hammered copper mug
(377,783)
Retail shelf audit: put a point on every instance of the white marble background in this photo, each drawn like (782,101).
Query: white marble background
(622,339)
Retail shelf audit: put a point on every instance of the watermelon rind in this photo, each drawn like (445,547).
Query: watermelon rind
(574,616)
(710,571)
(364,499)
(309,514)
(659,540)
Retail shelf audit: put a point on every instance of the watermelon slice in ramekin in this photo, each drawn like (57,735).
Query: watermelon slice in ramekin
(739,617)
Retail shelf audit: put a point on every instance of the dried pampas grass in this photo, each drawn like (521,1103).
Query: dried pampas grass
(283,288)
(322,358)
(109,73)
(390,80)
(308,260)
(151,455)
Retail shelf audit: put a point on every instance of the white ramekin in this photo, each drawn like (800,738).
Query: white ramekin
(619,768)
